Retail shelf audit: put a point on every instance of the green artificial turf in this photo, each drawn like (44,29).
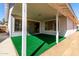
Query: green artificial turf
(37,44)
(17,41)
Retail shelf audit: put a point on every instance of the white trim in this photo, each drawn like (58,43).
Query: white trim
(49,20)
(24,18)
(33,20)
(57,33)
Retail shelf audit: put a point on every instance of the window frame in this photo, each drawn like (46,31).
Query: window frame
(15,25)
(53,28)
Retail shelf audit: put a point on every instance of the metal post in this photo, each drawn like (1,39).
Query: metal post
(57,33)
(24,12)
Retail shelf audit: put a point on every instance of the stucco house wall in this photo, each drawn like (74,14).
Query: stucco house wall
(62,26)
(71,28)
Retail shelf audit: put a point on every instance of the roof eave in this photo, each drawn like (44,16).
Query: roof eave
(70,8)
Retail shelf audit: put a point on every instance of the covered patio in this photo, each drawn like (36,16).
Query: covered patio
(45,28)
(45,24)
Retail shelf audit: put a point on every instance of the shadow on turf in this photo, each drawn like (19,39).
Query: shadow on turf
(46,38)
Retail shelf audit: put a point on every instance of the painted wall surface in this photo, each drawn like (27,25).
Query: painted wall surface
(42,30)
(71,28)
(75,27)
(62,26)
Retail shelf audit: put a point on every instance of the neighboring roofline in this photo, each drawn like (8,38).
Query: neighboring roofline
(71,9)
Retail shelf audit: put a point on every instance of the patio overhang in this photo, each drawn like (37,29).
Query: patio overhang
(66,10)
(41,12)
(44,11)
(47,11)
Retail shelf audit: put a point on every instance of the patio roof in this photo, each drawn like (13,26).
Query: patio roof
(46,12)
(66,10)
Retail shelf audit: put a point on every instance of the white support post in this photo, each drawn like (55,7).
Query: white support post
(24,12)
(57,33)
(10,22)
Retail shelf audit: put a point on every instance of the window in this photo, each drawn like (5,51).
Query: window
(50,25)
(18,25)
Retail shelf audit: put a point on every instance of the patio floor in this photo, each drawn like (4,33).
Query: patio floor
(3,36)
(7,48)
(37,44)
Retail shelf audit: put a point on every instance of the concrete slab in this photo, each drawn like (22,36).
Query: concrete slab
(68,47)
(3,36)
(7,48)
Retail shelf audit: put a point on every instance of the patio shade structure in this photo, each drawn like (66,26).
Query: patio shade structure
(55,10)
(66,10)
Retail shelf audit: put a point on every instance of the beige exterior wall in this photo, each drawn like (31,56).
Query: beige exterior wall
(42,29)
(71,28)
(62,26)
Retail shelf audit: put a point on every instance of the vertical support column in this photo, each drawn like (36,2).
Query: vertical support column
(57,33)
(10,21)
(24,12)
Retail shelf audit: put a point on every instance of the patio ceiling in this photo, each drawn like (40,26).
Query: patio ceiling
(41,11)
(36,11)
